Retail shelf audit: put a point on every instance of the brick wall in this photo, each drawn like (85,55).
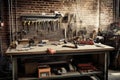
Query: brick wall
(106,14)
(88,13)
(4,31)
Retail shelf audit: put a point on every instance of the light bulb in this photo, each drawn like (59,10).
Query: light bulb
(2,24)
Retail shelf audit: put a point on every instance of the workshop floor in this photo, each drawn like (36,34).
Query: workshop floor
(114,75)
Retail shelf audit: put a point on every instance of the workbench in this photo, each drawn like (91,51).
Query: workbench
(37,51)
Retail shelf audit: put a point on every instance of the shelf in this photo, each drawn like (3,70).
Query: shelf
(57,62)
(66,75)
(40,17)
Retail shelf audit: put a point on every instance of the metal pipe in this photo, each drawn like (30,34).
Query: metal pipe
(117,13)
(114,10)
(9,8)
(12,18)
(99,10)
(16,15)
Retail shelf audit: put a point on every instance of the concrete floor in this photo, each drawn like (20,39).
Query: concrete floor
(114,75)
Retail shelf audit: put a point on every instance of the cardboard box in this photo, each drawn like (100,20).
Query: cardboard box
(44,71)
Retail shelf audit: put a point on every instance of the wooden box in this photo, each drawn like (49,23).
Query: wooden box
(44,71)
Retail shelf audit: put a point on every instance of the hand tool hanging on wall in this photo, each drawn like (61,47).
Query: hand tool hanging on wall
(32,25)
(47,26)
(39,28)
(40,25)
(28,26)
(43,25)
(57,23)
(36,26)
(54,25)
(37,23)
(24,23)
(50,25)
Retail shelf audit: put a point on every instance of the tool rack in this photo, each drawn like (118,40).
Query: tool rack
(41,26)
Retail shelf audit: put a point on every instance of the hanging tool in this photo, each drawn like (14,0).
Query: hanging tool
(24,23)
(43,25)
(39,25)
(51,26)
(54,25)
(28,26)
(33,25)
(36,26)
(47,26)
(57,25)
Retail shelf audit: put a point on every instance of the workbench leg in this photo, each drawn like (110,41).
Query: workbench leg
(14,68)
(106,67)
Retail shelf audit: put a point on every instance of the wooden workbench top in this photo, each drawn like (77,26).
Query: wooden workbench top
(23,50)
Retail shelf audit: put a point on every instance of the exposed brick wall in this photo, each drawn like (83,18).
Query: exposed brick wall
(106,14)
(4,31)
(87,11)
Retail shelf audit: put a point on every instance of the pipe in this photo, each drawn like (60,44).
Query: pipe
(114,10)
(99,10)
(117,13)
(16,25)
(12,19)
(9,8)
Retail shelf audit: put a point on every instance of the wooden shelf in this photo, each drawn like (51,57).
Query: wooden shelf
(57,62)
(66,75)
